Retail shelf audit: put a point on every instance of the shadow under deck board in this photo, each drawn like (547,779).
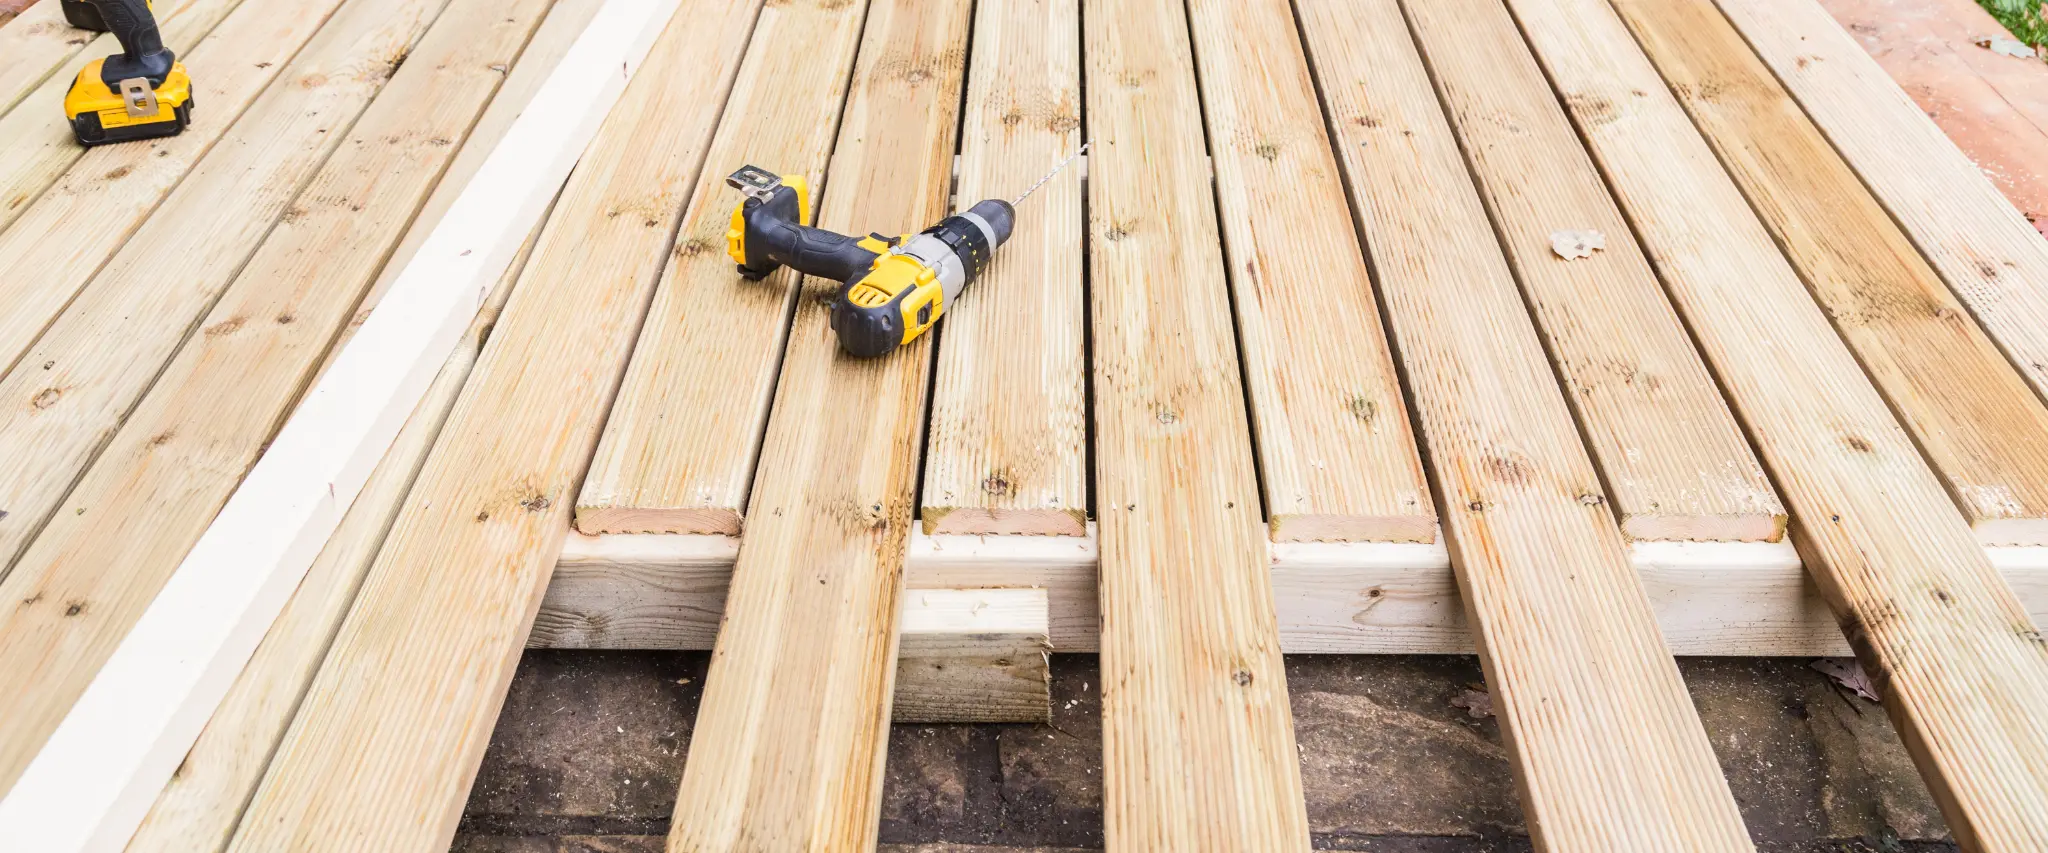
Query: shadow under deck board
(1008,448)
(1965,671)
(680,445)
(390,733)
(1198,741)
(793,729)
(1607,749)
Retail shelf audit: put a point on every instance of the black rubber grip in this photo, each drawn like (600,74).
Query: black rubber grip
(774,239)
(142,47)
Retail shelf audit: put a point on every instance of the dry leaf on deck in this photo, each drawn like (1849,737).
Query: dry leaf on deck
(1848,673)
(2009,47)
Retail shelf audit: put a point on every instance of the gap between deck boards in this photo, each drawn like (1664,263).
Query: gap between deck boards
(663,591)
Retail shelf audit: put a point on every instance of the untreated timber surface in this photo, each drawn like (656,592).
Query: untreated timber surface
(1008,446)
(1335,447)
(388,737)
(1996,261)
(92,571)
(679,447)
(1198,742)
(1965,672)
(1675,464)
(1607,750)
(35,44)
(200,807)
(794,725)
(1982,428)
(36,143)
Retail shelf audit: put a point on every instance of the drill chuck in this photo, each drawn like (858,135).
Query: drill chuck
(907,288)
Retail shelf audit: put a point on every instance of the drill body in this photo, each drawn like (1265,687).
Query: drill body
(142,92)
(892,289)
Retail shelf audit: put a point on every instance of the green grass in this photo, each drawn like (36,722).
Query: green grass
(2023,17)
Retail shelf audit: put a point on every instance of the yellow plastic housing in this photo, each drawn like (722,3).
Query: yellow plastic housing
(89,94)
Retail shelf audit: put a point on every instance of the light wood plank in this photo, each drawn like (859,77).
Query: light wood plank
(1750,599)
(974,655)
(794,725)
(1008,444)
(680,447)
(36,44)
(36,144)
(1336,453)
(1991,256)
(1607,750)
(93,571)
(1198,742)
(1981,427)
(1675,463)
(1966,671)
(389,735)
(69,234)
(200,806)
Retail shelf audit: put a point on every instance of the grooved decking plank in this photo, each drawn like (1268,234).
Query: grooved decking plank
(388,737)
(1008,448)
(36,44)
(1673,459)
(1965,671)
(1607,750)
(1993,259)
(90,572)
(36,143)
(1334,442)
(74,227)
(679,450)
(1198,741)
(1981,427)
(793,729)
(199,808)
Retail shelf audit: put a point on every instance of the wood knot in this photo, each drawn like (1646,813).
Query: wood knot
(1590,499)
(535,503)
(74,608)
(224,327)
(47,398)
(1243,678)
(996,484)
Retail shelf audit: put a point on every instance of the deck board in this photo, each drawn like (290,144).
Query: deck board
(36,44)
(1008,446)
(1607,750)
(1964,671)
(1198,742)
(791,735)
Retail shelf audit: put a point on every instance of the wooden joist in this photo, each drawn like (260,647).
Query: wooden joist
(1675,463)
(36,144)
(1336,451)
(1198,741)
(1607,750)
(973,655)
(1712,598)
(1983,430)
(793,729)
(1993,259)
(70,232)
(1964,670)
(162,482)
(1008,445)
(388,737)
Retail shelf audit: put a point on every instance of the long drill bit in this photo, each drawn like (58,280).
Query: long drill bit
(1055,171)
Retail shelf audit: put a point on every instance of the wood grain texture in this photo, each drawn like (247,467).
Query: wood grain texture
(1966,671)
(1198,741)
(1993,259)
(1336,452)
(1607,750)
(36,43)
(1981,427)
(389,735)
(974,655)
(199,809)
(680,447)
(793,729)
(74,227)
(36,143)
(91,572)
(1008,444)
(1674,462)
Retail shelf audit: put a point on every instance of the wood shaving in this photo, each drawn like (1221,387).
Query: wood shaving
(1571,245)
(2009,47)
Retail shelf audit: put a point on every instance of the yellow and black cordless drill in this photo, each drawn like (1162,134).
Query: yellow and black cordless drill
(142,92)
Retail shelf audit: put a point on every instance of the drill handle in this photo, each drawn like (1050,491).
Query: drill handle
(142,47)
(775,238)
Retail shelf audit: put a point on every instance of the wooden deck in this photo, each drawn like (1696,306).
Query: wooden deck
(1295,360)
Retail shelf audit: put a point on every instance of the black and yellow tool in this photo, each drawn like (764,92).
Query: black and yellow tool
(892,289)
(142,92)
